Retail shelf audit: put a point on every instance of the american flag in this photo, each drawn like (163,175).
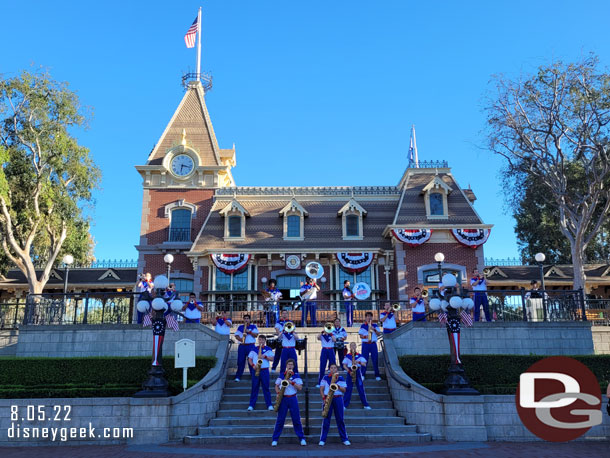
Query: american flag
(147,321)
(466,318)
(191,34)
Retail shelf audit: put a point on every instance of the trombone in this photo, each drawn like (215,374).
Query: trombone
(289,327)
(329,328)
(396,307)
(424,293)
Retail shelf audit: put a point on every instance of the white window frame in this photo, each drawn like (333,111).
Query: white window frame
(352,208)
(293,208)
(437,186)
(234,208)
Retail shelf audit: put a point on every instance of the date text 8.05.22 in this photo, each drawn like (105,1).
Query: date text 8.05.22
(41,413)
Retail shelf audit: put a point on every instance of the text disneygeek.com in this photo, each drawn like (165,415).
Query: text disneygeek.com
(19,414)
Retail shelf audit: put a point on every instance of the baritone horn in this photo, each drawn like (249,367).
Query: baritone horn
(328,328)
(289,327)
(396,307)
(314,270)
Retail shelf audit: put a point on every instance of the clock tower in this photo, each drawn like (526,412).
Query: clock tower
(179,179)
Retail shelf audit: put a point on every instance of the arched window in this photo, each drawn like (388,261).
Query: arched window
(293,226)
(235,226)
(180,225)
(436,204)
(352,225)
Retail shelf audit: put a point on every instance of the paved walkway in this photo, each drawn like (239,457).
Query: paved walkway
(431,450)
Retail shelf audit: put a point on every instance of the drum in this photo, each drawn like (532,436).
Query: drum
(301,344)
(274,343)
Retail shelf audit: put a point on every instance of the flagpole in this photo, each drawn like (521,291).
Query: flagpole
(199,45)
(415,155)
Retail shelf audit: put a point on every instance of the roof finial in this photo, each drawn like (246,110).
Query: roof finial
(183,141)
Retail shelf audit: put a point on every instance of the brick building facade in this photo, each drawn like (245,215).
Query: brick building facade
(193,209)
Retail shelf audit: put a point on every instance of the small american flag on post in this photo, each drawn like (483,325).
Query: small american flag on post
(191,34)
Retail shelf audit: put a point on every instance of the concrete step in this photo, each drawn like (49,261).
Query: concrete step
(245,397)
(351,419)
(262,413)
(316,425)
(241,389)
(288,437)
(314,403)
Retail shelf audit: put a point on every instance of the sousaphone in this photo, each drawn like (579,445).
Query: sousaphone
(314,270)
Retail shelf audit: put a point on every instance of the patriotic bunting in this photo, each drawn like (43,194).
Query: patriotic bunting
(412,237)
(471,237)
(230,263)
(355,262)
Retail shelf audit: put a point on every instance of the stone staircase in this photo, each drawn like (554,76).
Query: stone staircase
(234,422)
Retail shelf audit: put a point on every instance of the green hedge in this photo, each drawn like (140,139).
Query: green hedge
(86,377)
(491,374)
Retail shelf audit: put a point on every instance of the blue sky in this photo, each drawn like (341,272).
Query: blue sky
(311,93)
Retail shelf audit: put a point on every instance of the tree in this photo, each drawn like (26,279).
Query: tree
(537,225)
(553,128)
(46,178)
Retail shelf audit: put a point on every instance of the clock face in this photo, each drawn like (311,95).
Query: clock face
(182,165)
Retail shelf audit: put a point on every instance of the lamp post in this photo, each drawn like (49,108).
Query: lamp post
(67,260)
(439,258)
(168,258)
(156,385)
(540,257)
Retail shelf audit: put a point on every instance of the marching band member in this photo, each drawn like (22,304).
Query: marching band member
(289,341)
(328,352)
(279,327)
(387,318)
(246,335)
(348,297)
(418,306)
(309,303)
(192,310)
(289,403)
(340,337)
(337,405)
(353,357)
(145,288)
(479,286)
(223,324)
(272,298)
(262,381)
(369,345)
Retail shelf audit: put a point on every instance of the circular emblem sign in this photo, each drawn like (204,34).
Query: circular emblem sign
(559,399)
(362,291)
(293,262)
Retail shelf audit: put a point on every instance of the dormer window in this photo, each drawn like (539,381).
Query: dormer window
(435,196)
(234,226)
(235,221)
(294,220)
(351,218)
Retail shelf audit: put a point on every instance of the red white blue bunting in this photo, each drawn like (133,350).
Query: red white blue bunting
(355,262)
(230,263)
(412,237)
(471,237)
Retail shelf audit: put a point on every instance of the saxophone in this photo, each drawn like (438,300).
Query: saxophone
(370,331)
(354,369)
(331,394)
(280,395)
(259,361)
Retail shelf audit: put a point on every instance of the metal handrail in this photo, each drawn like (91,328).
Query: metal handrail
(222,370)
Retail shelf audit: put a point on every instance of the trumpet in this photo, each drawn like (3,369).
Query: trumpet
(329,328)
(218,314)
(424,293)
(396,307)
(289,327)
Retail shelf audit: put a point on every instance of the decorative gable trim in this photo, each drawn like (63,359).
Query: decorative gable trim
(436,183)
(55,274)
(233,207)
(496,271)
(180,204)
(109,273)
(555,272)
(293,207)
(351,207)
